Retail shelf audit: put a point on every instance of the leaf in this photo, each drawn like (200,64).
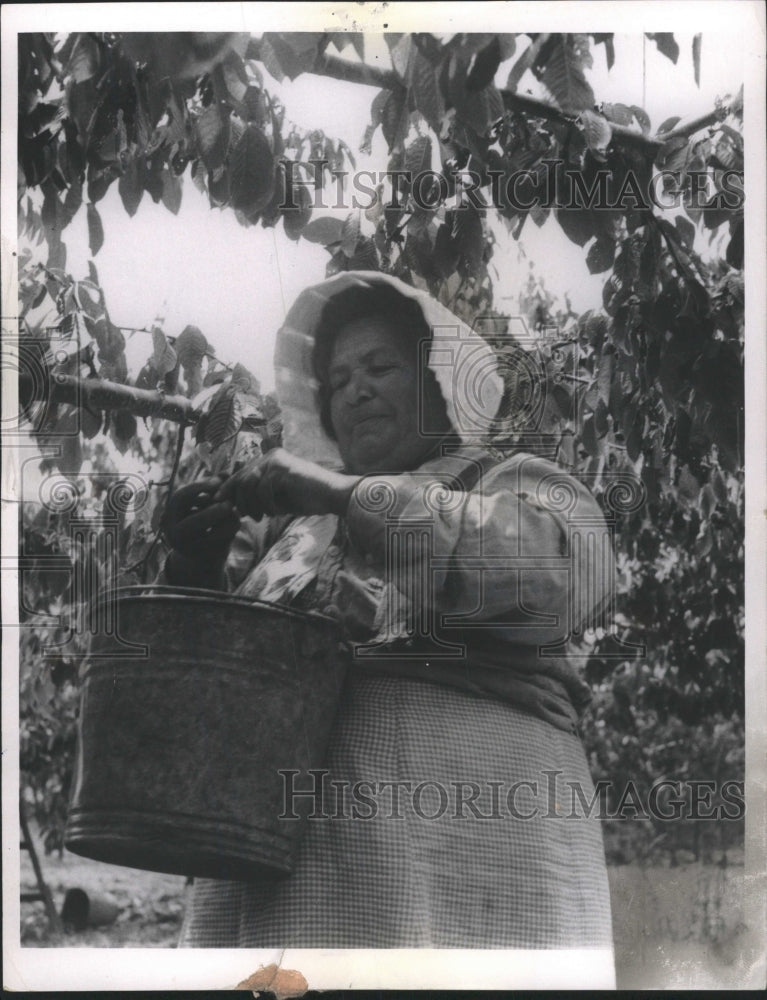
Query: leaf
(576,223)
(147,378)
(91,301)
(72,202)
(244,381)
(621,114)
(295,219)
(163,356)
(358,43)
(123,429)
(634,438)
(95,230)
(704,543)
(484,66)
(84,61)
(706,502)
(418,156)
(446,254)
(696,46)
(666,43)
(605,373)
(251,170)
(365,257)
(57,254)
(563,71)
(468,235)
(600,256)
(289,53)
(51,212)
(130,186)
(223,419)
(425,91)
(607,41)
(719,486)
(350,233)
(297,49)
(481,110)
(669,124)
(324,230)
(171,191)
(735,248)
(394,120)
(686,231)
(190,346)
(377,107)
(597,132)
(518,70)
(89,421)
(400,46)
(256,107)
(589,437)
(600,418)
(212,136)
(71,455)
(234,75)
(642,117)
(270,59)
(688,486)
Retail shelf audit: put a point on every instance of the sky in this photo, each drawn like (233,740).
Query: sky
(236,283)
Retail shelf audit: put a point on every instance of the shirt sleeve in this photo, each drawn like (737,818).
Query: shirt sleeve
(526,550)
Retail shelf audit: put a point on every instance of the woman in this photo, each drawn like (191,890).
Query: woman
(452,570)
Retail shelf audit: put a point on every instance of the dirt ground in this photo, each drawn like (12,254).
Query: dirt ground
(677,927)
(150,905)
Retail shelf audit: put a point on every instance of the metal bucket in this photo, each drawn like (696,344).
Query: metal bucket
(181,742)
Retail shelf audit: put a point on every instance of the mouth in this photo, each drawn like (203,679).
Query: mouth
(373,418)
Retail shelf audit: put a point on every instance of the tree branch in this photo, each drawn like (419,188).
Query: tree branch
(99,394)
(373,76)
(342,69)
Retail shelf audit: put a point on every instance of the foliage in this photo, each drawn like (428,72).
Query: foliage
(651,386)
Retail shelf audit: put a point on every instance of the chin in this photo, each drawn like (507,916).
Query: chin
(369,465)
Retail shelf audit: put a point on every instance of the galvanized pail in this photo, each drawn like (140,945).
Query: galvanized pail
(194,703)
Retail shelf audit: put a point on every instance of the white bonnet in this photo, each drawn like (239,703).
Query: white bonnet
(463,363)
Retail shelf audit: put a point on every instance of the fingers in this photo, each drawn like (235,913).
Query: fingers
(244,490)
(211,528)
(192,498)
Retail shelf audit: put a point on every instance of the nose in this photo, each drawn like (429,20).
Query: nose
(358,389)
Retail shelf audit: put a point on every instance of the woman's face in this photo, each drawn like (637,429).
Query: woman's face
(374,401)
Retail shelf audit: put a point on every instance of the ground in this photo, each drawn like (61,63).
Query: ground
(680,927)
(150,905)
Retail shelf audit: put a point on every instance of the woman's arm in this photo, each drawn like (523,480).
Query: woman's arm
(526,549)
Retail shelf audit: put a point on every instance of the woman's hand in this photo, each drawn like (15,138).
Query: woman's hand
(281,483)
(200,530)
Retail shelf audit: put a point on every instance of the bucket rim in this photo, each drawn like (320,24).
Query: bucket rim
(201,594)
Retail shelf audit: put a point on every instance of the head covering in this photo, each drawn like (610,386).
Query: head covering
(463,363)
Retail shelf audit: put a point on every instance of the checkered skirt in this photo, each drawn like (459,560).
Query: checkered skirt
(512,869)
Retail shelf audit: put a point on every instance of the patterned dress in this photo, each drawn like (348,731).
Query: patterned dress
(462,814)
